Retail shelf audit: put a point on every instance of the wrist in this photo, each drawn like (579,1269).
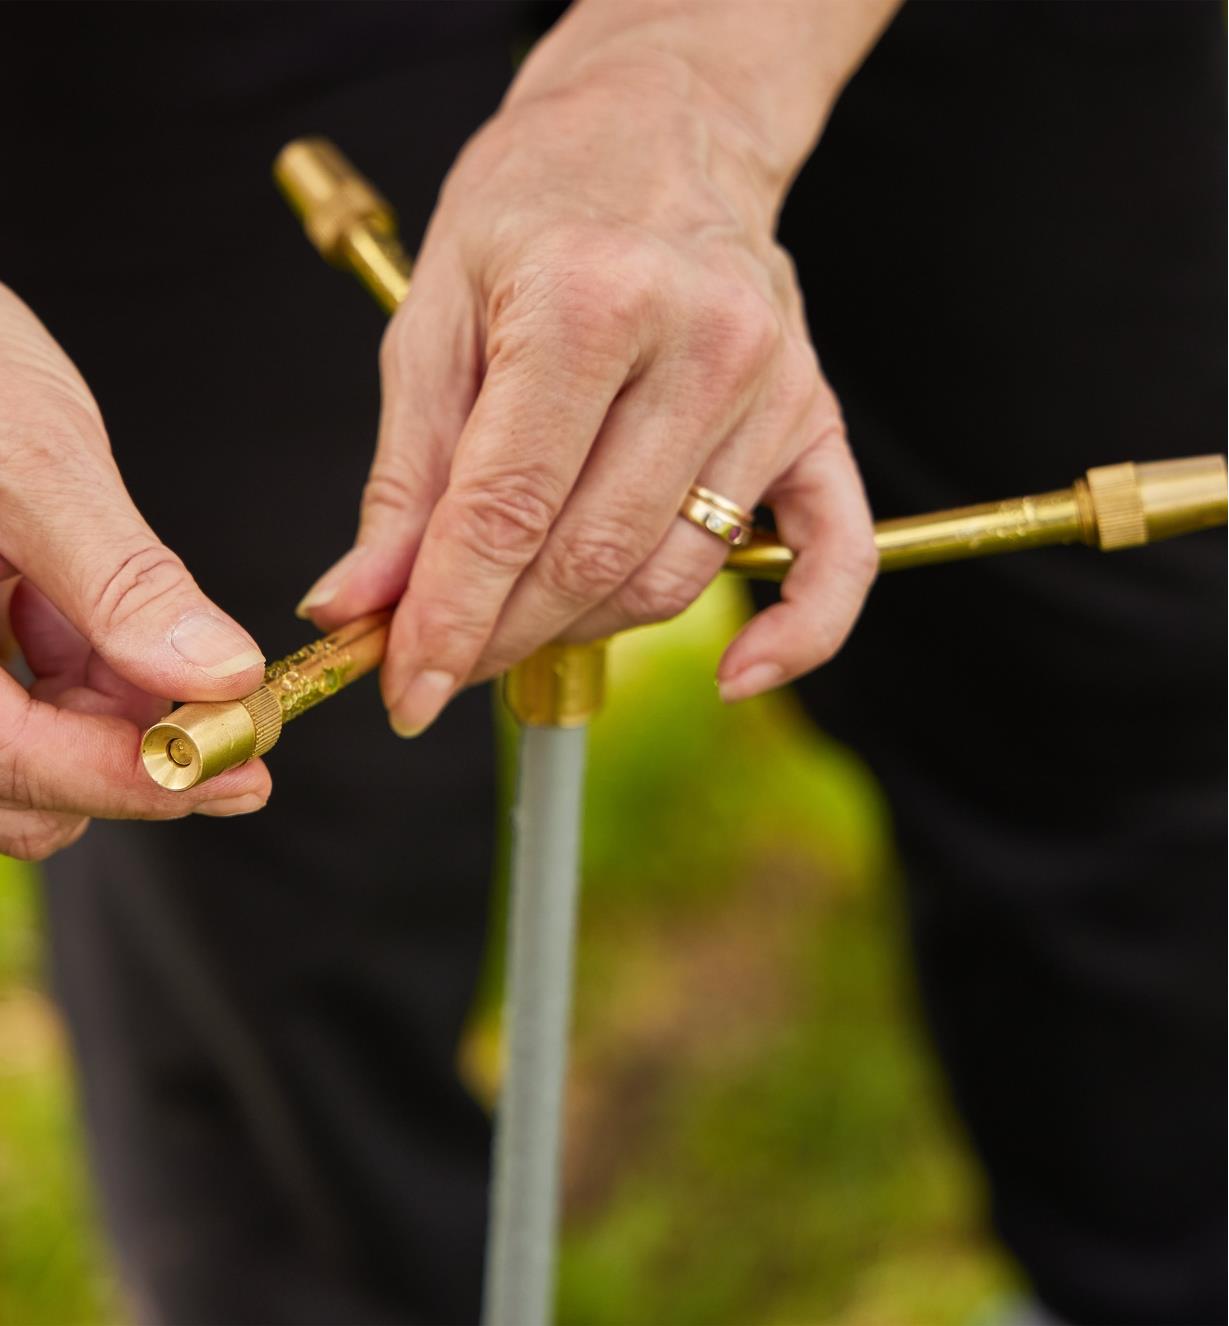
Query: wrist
(768,74)
(668,93)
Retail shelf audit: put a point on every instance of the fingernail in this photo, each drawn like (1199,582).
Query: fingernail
(420,706)
(224,806)
(327,587)
(216,646)
(751,681)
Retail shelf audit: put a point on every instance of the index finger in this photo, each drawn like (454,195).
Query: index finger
(519,456)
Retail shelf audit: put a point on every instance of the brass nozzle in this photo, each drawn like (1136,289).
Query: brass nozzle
(345,216)
(201,740)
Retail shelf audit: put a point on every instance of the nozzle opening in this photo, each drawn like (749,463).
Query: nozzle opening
(198,741)
(172,759)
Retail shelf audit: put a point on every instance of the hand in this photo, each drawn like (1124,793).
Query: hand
(110,623)
(599,318)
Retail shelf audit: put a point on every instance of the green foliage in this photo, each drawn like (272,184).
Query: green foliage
(51,1266)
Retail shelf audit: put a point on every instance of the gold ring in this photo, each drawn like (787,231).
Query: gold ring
(718,515)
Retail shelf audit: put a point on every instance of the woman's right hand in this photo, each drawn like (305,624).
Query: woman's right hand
(111,624)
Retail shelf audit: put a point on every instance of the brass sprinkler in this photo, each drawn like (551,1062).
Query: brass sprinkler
(1111,507)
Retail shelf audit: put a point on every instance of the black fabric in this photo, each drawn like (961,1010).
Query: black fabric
(1011,245)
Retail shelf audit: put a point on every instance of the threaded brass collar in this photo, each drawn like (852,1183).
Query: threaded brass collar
(1116,503)
(266,714)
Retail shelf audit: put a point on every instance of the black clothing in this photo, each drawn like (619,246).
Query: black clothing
(1015,267)
(1011,245)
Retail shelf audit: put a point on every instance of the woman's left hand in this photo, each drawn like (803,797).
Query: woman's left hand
(599,318)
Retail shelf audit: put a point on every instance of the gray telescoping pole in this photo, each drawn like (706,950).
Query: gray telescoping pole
(520,1265)
(552,695)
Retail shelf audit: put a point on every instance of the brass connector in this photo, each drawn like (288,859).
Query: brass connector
(1144,503)
(201,740)
(561,685)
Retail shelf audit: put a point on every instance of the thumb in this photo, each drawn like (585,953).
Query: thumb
(129,595)
(69,525)
(145,615)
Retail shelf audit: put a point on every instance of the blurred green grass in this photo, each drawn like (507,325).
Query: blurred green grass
(52,1269)
(755,1132)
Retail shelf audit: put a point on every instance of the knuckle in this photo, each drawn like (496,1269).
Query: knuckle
(388,489)
(582,302)
(142,578)
(448,631)
(590,564)
(504,520)
(603,307)
(662,591)
(740,331)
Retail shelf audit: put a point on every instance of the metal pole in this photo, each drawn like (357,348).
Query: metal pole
(520,1266)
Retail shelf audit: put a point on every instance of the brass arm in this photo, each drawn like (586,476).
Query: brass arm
(1113,506)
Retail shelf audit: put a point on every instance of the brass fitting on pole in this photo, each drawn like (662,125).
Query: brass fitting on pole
(562,685)
(1113,506)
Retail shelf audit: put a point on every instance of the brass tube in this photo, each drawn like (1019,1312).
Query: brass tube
(1113,506)
(977,531)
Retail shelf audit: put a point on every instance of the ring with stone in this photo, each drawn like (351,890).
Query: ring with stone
(718,515)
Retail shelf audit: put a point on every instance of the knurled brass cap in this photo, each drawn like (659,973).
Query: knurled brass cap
(266,714)
(1117,506)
